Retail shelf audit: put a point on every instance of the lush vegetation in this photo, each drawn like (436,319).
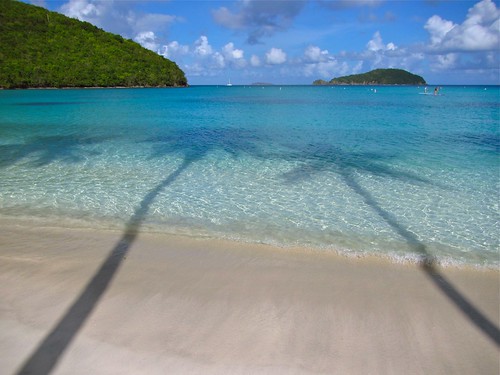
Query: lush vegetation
(39,48)
(377,77)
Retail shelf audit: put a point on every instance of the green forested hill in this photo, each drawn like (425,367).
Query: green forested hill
(39,48)
(377,77)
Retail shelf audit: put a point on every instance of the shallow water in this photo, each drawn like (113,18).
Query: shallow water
(342,169)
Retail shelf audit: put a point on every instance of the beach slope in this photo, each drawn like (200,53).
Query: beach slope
(189,306)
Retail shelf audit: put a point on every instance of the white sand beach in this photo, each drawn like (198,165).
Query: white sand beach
(174,305)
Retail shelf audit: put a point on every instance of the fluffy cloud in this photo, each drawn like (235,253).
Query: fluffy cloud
(438,28)
(446,62)
(315,54)
(148,40)
(378,54)
(120,17)
(470,48)
(376,44)
(479,32)
(174,50)
(255,61)
(218,61)
(85,10)
(233,55)
(202,47)
(202,59)
(326,69)
(206,57)
(259,18)
(317,62)
(275,56)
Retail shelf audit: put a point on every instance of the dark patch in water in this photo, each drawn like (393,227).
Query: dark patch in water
(41,104)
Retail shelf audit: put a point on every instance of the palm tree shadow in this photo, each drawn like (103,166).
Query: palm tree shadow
(198,142)
(345,164)
(44,150)
(194,146)
(50,350)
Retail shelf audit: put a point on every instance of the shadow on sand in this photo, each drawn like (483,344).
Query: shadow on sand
(49,351)
(318,158)
(193,146)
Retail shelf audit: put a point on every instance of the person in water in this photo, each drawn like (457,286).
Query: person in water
(436,91)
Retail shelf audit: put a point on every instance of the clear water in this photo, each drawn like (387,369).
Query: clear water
(347,169)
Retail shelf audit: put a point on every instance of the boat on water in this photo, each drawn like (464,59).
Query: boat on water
(229,83)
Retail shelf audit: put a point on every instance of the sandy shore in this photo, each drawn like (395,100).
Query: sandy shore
(176,305)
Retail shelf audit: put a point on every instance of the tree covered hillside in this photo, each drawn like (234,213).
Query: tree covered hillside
(39,48)
(377,77)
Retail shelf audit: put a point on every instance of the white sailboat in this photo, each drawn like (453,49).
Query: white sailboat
(229,82)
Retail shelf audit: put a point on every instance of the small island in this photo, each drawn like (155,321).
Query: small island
(44,49)
(377,77)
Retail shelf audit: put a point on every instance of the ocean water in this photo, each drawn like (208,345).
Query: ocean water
(345,169)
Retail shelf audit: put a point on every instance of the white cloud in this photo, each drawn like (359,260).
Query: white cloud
(447,61)
(315,54)
(317,62)
(118,17)
(233,55)
(390,47)
(326,69)
(357,68)
(174,50)
(84,10)
(203,59)
(438,28)
(479,32)
(255,61)
(218,61)
(147,39)
(275,56)
(376,44)
(202,47)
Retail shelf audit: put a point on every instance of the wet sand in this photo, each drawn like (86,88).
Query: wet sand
(90,302)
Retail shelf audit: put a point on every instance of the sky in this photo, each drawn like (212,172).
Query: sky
(299,41)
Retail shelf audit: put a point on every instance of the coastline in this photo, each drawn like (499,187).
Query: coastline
(88,301)
(93,87)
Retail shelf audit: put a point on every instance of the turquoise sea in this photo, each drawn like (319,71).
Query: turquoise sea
(347,169)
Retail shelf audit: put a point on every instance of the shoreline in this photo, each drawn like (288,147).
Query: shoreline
(94,87)
(410,259)
(84,301)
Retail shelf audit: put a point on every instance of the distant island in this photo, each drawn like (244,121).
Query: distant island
(40,48)
(376,77)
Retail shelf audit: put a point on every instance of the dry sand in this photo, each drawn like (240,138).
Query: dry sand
(173,305)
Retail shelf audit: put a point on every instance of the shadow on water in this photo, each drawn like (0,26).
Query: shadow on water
(318,158)
(43,104)
(199,142)
(43,150)
(193,146)
(49,351)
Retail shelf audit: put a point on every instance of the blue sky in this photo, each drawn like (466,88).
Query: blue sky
(296,42)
